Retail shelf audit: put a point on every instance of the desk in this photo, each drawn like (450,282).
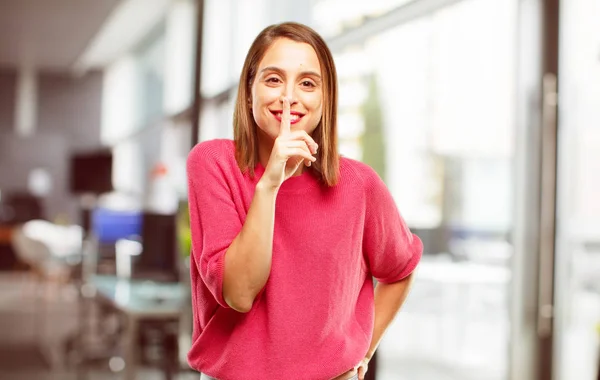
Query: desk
(139,300)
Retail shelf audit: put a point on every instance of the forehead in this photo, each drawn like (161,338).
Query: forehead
(290,55)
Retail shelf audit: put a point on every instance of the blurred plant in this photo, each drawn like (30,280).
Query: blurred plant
(373,140)
(184,234)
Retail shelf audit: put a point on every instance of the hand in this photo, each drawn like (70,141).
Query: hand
(290,150)
(362,368)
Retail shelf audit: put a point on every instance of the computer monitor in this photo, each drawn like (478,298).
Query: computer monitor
(91,172)
(159,259)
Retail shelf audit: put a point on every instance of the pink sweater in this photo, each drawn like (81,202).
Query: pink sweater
(313,320)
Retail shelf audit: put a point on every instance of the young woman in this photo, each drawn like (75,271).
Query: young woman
(286,234)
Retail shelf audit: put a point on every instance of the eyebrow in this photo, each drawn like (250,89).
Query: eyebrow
(280,71)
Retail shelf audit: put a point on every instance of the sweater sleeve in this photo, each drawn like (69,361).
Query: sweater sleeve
(392,251)
(214,221)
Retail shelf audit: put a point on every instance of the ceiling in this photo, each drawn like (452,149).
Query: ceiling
(49,34)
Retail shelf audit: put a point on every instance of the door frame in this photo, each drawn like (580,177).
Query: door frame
(532,287)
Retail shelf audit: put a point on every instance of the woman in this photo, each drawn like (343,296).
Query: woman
(286,234)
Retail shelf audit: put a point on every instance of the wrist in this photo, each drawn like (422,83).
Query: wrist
(263,186)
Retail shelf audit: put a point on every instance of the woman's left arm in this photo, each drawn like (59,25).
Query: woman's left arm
(392,253)
(388,300)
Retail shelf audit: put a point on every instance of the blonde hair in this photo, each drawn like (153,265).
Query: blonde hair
(325,134)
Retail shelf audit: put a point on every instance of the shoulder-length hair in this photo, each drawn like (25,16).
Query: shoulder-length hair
(325,134)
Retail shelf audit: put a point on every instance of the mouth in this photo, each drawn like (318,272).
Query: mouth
(295,116)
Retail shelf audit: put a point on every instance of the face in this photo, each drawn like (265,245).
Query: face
(290,69)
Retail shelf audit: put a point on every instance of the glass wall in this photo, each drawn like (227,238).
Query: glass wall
(429,105)
(147,98)
(430,102)
(578,223)
(333,17)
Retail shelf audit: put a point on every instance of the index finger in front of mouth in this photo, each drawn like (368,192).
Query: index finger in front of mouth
(285,117)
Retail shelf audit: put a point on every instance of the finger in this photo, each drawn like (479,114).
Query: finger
(362,371)
(310,142)
(361,374)
(284,129)
(299,152)
(283,147)
(302,145)
(297,144)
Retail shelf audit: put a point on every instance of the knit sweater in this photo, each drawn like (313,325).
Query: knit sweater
(313,320)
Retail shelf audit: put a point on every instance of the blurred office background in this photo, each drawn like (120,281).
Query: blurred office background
(482,116)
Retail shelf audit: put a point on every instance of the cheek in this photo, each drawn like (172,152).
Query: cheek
(264,97)
(261,99)
(319,109)
(315,103)
(311,100)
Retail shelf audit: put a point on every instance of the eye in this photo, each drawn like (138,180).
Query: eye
(308,83)
(272,80)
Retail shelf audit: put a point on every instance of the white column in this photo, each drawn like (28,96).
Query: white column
(179,56)
(27,102)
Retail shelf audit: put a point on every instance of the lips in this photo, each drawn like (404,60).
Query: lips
(295,116)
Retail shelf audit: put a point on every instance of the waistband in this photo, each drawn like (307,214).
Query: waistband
(206,377)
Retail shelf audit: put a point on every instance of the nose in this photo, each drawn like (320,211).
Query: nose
(290,93)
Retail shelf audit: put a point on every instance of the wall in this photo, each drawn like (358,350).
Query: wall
(68,120)
(7,99)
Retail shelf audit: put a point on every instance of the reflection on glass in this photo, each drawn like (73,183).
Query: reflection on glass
(577,283)
(429,105)
(333,16)
(151,60)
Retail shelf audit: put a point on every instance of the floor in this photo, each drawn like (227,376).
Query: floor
(444,332)
(21,355)
(419,334)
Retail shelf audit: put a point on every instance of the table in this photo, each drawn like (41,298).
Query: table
(139,300)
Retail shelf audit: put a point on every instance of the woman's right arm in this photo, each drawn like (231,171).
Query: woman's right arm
(248,258)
